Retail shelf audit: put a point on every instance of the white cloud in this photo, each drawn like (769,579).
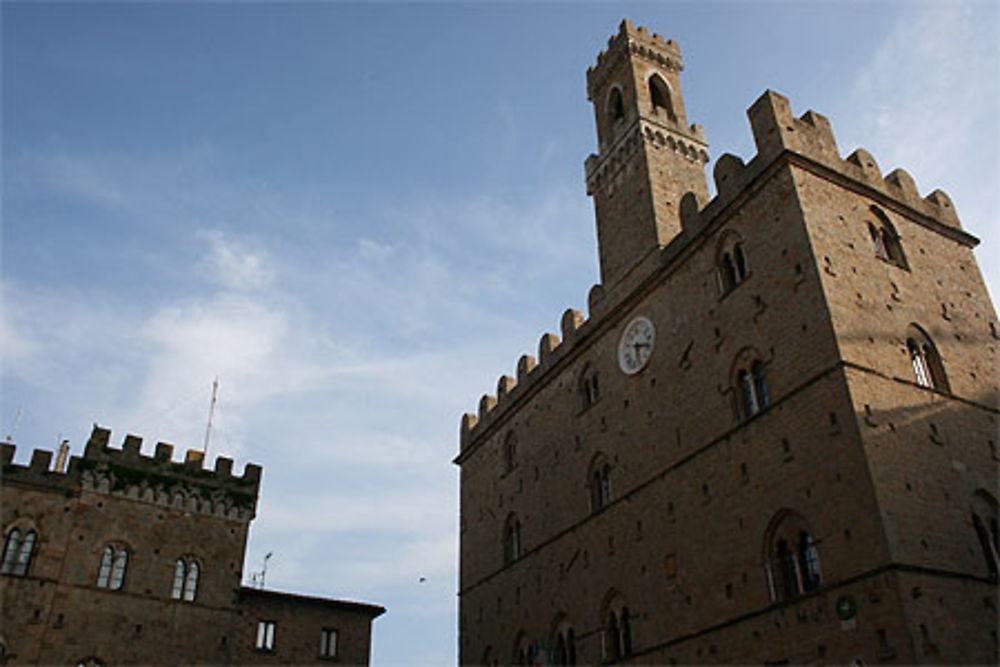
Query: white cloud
(230,264)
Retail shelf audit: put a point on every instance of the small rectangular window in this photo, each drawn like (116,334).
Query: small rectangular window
(328,643)
(265,636)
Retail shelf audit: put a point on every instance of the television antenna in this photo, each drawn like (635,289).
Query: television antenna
(211,414)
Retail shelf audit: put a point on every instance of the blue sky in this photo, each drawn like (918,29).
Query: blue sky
(358,216)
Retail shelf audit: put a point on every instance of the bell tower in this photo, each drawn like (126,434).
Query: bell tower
(648,155)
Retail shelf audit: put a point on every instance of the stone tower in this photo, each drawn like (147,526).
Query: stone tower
(773,438)
(649,156)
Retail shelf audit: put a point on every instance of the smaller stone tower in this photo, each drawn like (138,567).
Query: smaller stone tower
(649,156)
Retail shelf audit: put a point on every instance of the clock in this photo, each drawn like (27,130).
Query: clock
(636,345)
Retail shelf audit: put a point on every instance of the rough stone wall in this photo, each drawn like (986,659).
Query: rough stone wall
(694,490)
(299,622)
(881,470)
(160,511)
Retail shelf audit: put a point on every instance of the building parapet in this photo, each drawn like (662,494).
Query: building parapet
(157,479)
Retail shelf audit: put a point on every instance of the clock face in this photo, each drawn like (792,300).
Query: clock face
(636,345)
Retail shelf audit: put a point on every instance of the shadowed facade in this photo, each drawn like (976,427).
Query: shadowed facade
(774,436)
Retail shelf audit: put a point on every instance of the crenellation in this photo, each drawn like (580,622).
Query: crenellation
(224,466)
(41,461)
(525,366)
(132,447)
(251,474)
(865,167)
(729,175)
(486,405)
(902,186)
(466,427)
(130,462)
(690,214)
(7,450)
(653,47)
(505,385)
(547,345)
(164,452)
(775,129)
(571,321)
(595,299)
(942,208)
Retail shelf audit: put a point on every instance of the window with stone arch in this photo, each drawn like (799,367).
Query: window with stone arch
(187,571)
(616,105)
(511,539)
(885,239)
(751,388)
(18,550)
(563,642)
(599,482)
(589,386)
(928,369)
(984,522)
(509,452)
(659,96)
(616,623)
(524,650)
(791,557)
(731,265)
(114,562)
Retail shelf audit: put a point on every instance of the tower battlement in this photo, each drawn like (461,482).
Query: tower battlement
(639,41)
(158,478)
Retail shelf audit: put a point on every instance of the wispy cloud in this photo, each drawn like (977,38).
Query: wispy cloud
(929,100)
(231,264)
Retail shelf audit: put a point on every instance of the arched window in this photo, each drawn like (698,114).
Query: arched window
(511,539)
(791,557)
(613,638)
(524,651)
(114,562)
(925,360)
(599,483)
(617,624)
(626,631)
(17,553)
(885,240)
(984,522)
(186,573)
(10,548)
(659,95)
(564,642)
(752,389)
(616,105)
(191,583)
(179,571)
(590,389)
(509,452)
(731,263)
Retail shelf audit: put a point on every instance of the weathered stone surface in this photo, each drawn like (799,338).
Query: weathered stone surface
(884,473)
